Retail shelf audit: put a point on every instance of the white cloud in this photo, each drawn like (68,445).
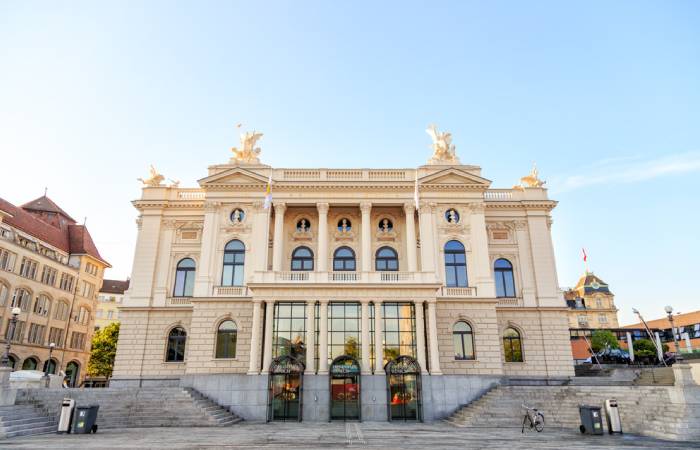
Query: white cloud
(631,169)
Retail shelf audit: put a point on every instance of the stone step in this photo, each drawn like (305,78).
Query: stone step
(32,432)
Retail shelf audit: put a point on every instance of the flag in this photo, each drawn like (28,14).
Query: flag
(585,256)
(268,193)
(415,192)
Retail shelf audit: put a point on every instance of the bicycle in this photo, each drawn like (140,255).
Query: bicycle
(535,417)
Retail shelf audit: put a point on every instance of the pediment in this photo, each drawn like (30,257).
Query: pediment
(233,176)
(453,176)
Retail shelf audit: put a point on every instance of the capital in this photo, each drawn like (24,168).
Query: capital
(211,206)
(365,207)
(425,207)
(280,207)
(476,208)
(322,208)
(520,225)
(419,301)
(409,208)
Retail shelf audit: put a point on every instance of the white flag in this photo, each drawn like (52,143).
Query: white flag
(268,193)
(415,192)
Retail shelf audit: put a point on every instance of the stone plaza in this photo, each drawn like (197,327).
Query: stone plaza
(343,435)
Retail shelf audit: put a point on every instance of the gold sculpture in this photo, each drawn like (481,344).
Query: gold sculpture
(532,179)
(248,153)
(443,149)
(154,180)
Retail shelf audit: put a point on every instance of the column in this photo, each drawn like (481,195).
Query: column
(410,211)
(145,258)
(267,349)
(366,366)
(260,232)
(427,234)
(433,339)
(480,259)
(161,289)
(630,346)
(528,291)
(322,236)
(202,281)
(323,338)
(278,238)
(366,208)
(378,339)
(420,336)
(310,344)
(254,363)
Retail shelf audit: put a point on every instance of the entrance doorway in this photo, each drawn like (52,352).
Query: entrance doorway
(403,379)
(285,389)
(73,373)
(345,388)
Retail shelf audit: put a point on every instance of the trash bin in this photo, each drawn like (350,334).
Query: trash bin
(612,413)
(591,420)
(85,418)
(64,422)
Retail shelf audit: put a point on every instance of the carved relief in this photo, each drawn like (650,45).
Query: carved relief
(500,232)
(344,230)
(386,230)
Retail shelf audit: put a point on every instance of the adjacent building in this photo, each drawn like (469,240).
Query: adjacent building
(686,327)
(386,293)
(50,269)
(109,299)
(591,304)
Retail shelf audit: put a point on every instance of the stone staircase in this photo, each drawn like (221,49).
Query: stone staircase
(656,376)
(136,407)
(25,420)
(643,409)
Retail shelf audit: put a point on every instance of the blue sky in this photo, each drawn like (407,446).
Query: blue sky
(604,96)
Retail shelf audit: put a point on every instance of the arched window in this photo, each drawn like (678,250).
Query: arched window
(4,294)
(302,259)
(50,366)
(30,364)
(12,363)
(177,338)
(21,299)
(83,316)
(42,305)
(463,339)
(226,337)
(386,260)
(455,265)
(234,264)
(73,373)
(512,345)
(184,278)
(61,311)
(503,274)
(344,259)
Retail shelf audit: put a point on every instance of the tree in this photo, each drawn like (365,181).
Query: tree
(644,349)
(603,339)
(104,348)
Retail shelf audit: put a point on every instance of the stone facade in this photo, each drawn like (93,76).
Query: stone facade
(591,304)
(504,279)
(61,287)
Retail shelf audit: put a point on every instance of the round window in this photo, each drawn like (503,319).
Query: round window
(385,225)
(452,216)
(344,225)
(237,215)
(303,226)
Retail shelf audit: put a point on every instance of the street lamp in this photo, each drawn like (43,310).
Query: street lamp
(669,312)
(5,361)
(48,363)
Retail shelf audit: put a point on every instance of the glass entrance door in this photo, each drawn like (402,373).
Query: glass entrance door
(404,389)
(345,388)
(285,389)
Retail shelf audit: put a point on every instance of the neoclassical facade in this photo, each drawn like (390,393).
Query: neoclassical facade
(342,277)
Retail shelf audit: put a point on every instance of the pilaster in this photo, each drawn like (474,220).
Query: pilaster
(323,338)
(427,236)
(433,339)
(322,236)
(267,348)
(310,335)
(420,336)
(278,238)
(365,347)
(160,291)
(256,329)
(145,257)
(480,260)
(366,209)
(204,275)
(527,275)
(378,339)
(411,256)
(545,270)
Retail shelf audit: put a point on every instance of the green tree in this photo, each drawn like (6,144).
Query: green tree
(104,348)
(644,348)
(603,339)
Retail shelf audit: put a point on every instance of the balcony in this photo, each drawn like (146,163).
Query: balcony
(510,301)
(345,277)
(179,301)
(230,291)
(458,291)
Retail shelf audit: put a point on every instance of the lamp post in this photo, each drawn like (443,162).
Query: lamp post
(659,351)
(669,313)
(5,361)
(48,363)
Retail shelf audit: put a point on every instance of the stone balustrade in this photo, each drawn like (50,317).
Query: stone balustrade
(344,277)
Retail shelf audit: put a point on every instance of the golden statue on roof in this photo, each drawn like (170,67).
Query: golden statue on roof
(248,153)
(532,179)
(443,149)
(154,180)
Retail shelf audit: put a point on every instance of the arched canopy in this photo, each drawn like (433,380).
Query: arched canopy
(30,363)
(287,364)
(454,246)
(186,263)
(403,364)
(344,365)
(234,245)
